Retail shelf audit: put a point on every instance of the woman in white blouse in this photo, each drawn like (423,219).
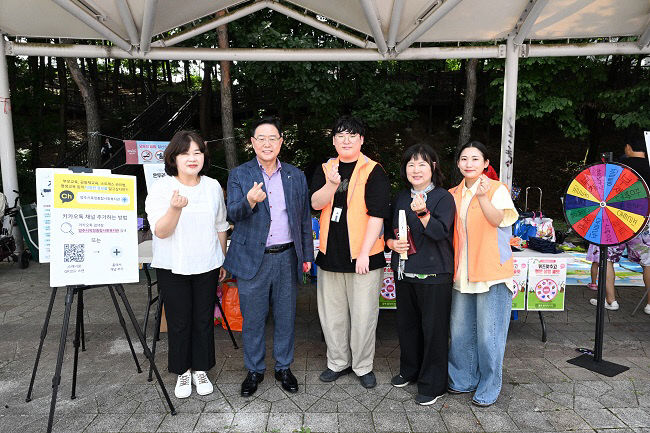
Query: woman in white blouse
(187,212)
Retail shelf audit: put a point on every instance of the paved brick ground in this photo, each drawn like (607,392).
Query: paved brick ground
(541,393)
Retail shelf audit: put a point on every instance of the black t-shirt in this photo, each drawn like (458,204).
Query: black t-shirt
(377,196)
(640,165)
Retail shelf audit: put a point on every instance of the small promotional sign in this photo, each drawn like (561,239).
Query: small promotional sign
(546,284)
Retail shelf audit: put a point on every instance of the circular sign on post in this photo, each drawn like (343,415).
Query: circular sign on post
(607,204)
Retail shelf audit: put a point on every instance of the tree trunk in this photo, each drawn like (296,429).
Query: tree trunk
(168,66)
(186,75)
(117,63)
(226,101)
(154,75)
(63,98)
(92,112)
(205,113)
(92,72)
(470,102)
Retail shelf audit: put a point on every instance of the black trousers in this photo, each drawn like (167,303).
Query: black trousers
(423,329)
(189,302)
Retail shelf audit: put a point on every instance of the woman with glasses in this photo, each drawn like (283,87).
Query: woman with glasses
(424,276)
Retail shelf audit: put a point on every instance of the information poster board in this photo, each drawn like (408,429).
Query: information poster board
(94,229)
(519,281)
(546,284)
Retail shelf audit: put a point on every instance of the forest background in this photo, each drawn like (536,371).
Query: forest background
(569,110)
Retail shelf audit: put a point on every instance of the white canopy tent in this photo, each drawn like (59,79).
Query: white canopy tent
(374,30)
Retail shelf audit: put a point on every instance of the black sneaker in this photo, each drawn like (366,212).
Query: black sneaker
(425,400)
(331,375)
(399,381)
(368,380)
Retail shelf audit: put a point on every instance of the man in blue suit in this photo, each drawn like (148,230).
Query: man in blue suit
(271,245)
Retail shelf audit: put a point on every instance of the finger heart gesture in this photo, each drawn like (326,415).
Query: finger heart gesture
(417,204)
(333,175)
(178,201)
(483,186)
(256,194)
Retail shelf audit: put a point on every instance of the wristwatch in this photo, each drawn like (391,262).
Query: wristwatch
(423,213)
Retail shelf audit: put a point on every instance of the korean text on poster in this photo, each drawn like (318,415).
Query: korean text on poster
(94,230)
(546,284)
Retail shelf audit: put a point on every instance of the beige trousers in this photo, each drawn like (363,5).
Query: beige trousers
(348,307)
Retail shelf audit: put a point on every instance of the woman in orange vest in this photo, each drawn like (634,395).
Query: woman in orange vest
(424,279)
(482,295)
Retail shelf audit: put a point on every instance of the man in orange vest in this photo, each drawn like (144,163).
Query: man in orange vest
(352,192)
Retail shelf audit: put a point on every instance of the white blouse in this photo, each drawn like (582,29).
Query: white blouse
(193,246)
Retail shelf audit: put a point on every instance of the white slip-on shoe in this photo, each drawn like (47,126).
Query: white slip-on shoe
(202,383)
(183,385)
(613,306)
(646,309)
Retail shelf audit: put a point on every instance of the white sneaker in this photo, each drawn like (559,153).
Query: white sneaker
(646,309)
(183,385)
(613,306)
(202,383)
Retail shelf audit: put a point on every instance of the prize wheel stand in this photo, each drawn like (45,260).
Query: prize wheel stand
(606,205)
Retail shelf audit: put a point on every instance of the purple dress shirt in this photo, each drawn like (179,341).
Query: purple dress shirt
(279,232)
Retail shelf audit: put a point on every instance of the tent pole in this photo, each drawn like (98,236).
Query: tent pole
(509,112)
(7,147)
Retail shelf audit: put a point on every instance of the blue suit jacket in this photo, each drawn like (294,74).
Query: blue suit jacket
(248,240)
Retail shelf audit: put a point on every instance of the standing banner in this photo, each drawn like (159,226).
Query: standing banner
(145,152)
(44,179)
(647,144)
(546,284)
(94,229)
(519,281)
(153,172)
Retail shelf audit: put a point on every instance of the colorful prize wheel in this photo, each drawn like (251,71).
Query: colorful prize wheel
(607,204)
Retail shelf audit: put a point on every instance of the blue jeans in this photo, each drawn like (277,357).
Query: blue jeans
(479,329)
(274,284)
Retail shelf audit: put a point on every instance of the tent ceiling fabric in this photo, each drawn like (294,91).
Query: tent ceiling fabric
(470,20)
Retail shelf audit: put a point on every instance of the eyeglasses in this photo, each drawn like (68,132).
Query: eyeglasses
(272,139)
(341,136)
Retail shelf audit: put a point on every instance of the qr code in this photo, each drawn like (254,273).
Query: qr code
(73,253)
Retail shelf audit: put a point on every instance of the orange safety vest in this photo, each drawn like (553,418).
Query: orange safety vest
(357,212)
(489,256)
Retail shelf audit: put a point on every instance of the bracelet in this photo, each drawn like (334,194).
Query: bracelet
(423,214)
